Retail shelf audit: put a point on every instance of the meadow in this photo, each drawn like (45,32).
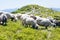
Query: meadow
(16,31)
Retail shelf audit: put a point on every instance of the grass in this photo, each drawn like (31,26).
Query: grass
(16,31)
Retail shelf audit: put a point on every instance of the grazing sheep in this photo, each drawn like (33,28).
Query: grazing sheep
(14,17)
(50,18)
(44,22)
(32,16)
(11,16)
(30,21)
(3,19)
(23,18)
(57,22)
(19,15)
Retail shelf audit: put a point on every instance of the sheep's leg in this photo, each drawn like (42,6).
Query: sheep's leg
(46,27)
(26,25)
(12,19)
(36,27)
(22,23)
(29,25)
(54,26)
(33,26)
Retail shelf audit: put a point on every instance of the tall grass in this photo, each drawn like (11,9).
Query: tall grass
(16,31)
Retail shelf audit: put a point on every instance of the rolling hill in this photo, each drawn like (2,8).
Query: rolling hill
(16,31)
(37,10)
(34,8)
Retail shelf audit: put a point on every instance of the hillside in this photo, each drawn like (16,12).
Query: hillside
(34,8)
(37,10)
(16,31)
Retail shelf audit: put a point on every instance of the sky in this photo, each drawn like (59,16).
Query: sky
(10,4)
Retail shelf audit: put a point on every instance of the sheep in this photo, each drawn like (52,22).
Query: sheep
(44,22)
(30,21)
(23,17)
(3,19)
(57,22)
(11,16)
(19,15)
(50,18)
(8,15)
(32,16)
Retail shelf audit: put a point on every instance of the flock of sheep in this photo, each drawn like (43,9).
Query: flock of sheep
(28,20)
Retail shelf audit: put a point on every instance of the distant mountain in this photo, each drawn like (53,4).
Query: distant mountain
(56,9)
(10,10)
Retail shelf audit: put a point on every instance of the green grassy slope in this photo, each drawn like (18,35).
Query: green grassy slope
(29,8)
(16,31)
(39,10)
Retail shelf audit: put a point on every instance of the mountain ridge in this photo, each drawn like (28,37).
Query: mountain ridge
(10,10)
(56,9)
